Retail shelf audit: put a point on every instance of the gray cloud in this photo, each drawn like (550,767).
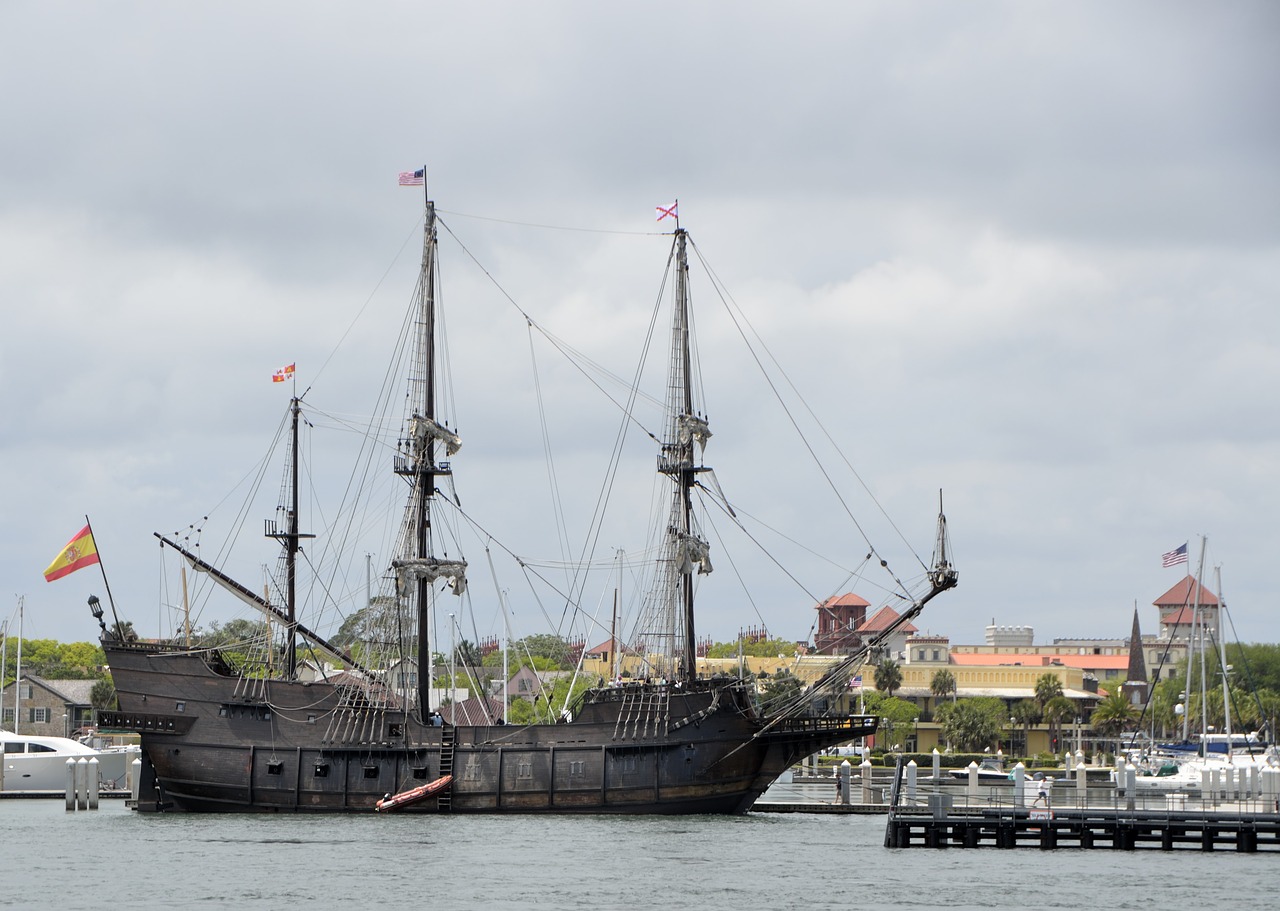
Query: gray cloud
(1023,252)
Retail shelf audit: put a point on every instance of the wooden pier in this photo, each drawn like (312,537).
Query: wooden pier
(1121,829)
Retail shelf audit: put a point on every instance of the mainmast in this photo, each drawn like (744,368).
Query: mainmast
(418,568)
(685,428)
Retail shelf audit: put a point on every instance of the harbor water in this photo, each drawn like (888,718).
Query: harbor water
(114,857)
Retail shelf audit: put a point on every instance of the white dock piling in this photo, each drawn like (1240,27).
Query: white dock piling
(71,784)
(82,786)
(91,783)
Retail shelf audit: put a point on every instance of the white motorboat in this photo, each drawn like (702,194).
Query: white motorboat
(34,763)
(989,772)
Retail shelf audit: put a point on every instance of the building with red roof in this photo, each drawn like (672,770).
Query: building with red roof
(1178,606)
(838,620)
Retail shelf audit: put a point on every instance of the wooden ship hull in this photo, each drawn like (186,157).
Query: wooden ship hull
(213,741)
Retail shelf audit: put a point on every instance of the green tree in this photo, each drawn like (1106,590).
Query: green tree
(103,695)
(895,714)
(1113,715)
(888,676)
(1048,687)
(778,690)
(765,648)
(547,705)
(972,724)
(234,633)
(466,654)
(1256,666)
(942,685)
(554,648)
(84,656)
(1057,710)
(1025,712)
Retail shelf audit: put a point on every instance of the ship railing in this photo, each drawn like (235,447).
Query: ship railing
(828,723)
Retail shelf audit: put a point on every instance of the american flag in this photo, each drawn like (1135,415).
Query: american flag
(411,178)
(855,682)
(1175,556)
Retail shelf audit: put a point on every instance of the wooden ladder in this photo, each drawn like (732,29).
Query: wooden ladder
(448,742)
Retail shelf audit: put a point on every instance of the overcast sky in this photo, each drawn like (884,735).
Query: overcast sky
(1026,253)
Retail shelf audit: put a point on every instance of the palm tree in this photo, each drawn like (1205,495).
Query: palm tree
(1026,712)
(1057,710)
(943,684)
(888,676)
(1113,715)
(1048,686)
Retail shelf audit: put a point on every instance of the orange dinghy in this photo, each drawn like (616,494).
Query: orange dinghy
(412,796)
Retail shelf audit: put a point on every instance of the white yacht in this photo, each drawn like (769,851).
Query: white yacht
(34,763)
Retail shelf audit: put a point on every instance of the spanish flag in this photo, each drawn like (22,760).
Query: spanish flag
(79,553)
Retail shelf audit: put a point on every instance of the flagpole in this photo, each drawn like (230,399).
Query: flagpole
(103,568)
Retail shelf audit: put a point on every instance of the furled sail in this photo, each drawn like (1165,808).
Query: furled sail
(423,429)
(429,568)
(693,429)
(691,549)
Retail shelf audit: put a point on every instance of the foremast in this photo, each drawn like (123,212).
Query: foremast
(417,567)
(291,539)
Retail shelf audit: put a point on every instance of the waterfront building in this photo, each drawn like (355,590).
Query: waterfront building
(839,618)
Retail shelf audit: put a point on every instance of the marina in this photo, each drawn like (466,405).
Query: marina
(1095,814)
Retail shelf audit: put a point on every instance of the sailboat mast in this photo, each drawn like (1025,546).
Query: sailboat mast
(1196,630)
(17,674)
(1222,659)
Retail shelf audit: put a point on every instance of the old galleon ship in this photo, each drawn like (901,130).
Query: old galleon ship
(248,732)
